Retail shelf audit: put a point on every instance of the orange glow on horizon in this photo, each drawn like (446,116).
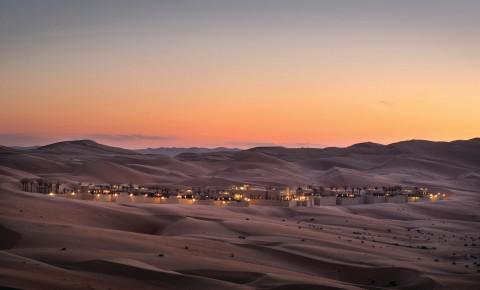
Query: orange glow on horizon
(229,82)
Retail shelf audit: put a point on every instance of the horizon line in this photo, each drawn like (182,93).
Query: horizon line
(265,145)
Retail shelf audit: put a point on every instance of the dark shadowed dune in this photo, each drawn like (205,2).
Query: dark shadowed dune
(150,275)
(5,149)
(8,238)
(80,147)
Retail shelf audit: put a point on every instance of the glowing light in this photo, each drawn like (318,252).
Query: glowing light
(51,193)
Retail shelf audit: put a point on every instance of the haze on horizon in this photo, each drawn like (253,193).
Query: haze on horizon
(238,73)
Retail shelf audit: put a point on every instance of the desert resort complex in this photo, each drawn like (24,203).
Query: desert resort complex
(235,195)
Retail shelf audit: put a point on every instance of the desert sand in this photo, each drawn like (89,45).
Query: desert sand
(57,243)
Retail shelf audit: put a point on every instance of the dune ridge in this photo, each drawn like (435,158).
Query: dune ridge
(364,163)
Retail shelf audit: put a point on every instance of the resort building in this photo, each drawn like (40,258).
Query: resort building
(40,185)
(236,195)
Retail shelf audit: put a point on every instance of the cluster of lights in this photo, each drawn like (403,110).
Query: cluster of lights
(240,196)
(241,187)
(237,196)
(435,196)
(300,198)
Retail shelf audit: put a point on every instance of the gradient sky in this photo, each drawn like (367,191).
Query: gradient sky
(238,73)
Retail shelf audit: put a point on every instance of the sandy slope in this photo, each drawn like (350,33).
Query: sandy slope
(57,243)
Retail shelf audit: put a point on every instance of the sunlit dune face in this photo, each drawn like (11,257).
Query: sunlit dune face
(248,74)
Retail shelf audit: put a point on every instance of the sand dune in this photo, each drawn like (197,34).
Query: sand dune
(80,147)
(58,243)
(363,163)
(156,247)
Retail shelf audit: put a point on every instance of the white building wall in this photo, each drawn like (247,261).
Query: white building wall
(324,200)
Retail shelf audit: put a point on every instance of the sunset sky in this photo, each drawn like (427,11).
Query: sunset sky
(238,73)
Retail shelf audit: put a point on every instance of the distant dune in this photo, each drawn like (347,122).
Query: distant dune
(173,151)
(360,164)
(80,147)
(5,149)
